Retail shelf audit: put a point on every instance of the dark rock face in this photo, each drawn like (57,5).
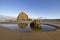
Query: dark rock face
(32,24)
(35,25)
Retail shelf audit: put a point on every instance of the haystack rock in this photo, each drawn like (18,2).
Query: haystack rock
(21,19)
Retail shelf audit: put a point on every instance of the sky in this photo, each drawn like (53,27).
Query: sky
(49,9)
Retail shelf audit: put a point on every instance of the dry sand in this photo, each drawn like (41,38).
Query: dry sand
(8,34)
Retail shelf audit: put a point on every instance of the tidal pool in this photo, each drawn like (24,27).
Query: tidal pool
(16,27)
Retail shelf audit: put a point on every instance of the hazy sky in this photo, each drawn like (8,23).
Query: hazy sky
(34,8)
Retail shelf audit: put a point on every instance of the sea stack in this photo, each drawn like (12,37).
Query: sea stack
(22,17)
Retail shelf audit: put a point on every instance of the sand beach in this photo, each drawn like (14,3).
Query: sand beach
(8,34)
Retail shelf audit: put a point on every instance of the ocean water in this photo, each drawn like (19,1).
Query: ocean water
(44,27)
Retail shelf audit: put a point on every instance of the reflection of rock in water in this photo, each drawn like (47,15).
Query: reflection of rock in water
(22,25)
(35,25)
(22,17)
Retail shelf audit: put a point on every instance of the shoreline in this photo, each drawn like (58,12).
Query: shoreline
(51,22)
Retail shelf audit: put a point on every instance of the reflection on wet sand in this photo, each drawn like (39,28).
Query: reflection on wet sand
(28,28)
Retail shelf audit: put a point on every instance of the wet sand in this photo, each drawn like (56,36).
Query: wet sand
(8,34)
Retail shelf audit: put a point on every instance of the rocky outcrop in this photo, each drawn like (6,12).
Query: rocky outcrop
(21,18)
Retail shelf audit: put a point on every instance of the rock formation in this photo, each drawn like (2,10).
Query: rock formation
(22,17)
(23,21)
